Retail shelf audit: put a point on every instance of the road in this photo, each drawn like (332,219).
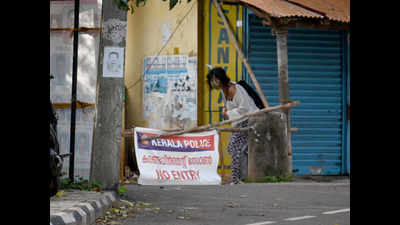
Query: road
(293,203)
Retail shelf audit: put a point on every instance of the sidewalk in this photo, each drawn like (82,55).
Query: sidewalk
(77,207)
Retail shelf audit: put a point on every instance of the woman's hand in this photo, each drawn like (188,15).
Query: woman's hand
(226,117)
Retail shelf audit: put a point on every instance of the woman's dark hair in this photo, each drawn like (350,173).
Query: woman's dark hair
(220,74)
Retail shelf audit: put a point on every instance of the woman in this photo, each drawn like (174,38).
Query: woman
(237,102)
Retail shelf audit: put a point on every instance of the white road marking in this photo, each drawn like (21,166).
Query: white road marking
(299,218)
(337,211)
(262,223)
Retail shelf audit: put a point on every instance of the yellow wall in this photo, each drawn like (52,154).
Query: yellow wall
(201,34)
(144,38)
(217,49)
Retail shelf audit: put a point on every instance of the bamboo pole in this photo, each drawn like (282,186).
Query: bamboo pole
(238,49)
(221,155)
(128,133)
(210,126)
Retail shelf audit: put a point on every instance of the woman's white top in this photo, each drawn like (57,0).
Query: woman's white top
(241,104)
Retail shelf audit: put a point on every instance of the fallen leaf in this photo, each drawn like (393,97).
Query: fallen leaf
(144,204)
(114,210)
(129,203)
(60,193)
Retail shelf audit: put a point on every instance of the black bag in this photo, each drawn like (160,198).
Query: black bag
(256,98)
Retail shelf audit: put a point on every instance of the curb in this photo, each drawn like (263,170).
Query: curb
(84,213)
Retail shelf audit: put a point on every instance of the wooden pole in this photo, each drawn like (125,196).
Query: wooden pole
(128,133)
(221,155)
(283,77)
(238,49)
(210,126)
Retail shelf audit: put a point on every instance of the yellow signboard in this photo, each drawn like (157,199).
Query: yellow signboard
(219,50)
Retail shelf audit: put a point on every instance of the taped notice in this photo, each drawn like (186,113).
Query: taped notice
(113,62)
(189,159)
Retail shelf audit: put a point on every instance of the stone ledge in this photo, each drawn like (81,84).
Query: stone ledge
(80,207)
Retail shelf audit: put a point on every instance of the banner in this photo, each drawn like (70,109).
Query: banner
(189,159)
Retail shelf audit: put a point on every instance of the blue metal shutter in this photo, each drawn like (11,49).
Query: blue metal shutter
(315,79)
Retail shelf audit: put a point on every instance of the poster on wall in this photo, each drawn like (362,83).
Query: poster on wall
(83,138)
(113,63)
(189,159)
(61,52)
(170,91)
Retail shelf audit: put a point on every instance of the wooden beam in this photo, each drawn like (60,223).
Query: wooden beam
(127,133)
(210,126)
(281,33)
(221,156)
(68,105)
(238,49)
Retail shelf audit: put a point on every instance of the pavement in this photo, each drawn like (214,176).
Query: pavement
(76,207)
(305,199)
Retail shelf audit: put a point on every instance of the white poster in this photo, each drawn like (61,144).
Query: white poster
(170,91)
(113,63)
(189,159)
(61,52)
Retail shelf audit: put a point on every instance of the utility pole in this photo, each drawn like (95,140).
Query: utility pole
(105,159)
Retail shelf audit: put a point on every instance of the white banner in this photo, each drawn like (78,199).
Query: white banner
(189,159)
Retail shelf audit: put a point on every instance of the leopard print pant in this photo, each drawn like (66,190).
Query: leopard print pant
(237,143)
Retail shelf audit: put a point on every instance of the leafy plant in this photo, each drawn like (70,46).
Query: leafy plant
(122,190)
(80,184)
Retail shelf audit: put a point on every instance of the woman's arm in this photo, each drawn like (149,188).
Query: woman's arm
(242,105)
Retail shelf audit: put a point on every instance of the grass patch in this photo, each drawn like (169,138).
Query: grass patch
(79,184)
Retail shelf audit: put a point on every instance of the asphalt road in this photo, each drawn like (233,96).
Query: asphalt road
(245,204)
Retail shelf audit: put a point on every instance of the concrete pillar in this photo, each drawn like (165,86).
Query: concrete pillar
(105,161)
(268,145)
(281,33)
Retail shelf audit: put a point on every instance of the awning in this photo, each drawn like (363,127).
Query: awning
(334,10)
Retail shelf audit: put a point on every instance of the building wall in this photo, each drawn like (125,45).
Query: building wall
(147,32)
(201,34)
